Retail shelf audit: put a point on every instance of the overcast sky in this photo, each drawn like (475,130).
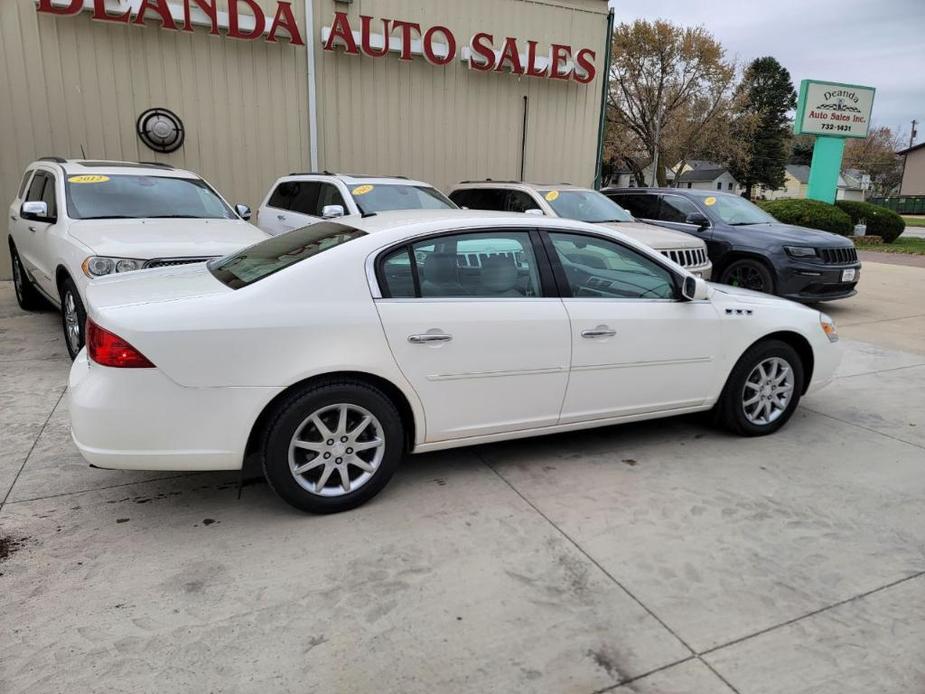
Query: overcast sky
(880,43)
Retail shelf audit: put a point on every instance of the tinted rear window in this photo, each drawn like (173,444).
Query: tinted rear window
(279,252)
(639,204)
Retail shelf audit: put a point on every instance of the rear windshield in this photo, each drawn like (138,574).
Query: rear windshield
(118,196)
(381,198)
(279,252)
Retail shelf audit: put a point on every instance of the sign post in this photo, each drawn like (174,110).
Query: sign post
(832,112)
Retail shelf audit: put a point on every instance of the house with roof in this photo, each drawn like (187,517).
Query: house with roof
(704,175)
(796,183)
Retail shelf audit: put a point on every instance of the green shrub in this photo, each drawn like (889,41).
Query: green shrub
(879,220)
(810,213)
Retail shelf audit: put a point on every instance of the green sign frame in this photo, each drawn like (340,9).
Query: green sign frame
(801,107)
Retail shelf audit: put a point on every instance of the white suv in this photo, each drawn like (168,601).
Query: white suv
(74,220)
(300,199)
(586,205)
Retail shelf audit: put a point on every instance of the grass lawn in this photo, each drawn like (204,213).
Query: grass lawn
(904,244)
(914,221)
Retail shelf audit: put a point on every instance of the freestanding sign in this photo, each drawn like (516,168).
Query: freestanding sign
(831,111)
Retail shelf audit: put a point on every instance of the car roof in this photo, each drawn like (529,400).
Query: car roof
(356,179)
(516,185)
(100,166)
(693,192)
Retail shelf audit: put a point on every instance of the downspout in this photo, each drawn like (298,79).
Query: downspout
(312,101)
(599,165)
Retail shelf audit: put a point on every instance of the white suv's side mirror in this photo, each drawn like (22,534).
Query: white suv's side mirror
(694,289)
(535,211)
(332,211)
(34,209)
(244,212)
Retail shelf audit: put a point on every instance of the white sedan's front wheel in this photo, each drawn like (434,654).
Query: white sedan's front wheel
(333,446)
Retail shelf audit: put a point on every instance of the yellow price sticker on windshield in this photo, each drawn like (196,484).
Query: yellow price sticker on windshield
(552,195)
(88,179)
(362,190)
(709,201)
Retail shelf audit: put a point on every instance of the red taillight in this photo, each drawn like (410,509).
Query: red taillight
(108,349)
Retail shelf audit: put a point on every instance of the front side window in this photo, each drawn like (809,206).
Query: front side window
(49,197)
(481,198)
(279,252)
(585,206)
(393,196)
(478,264)
(25,182)
(674,208)
(122,196)
(518,201)
(598,268)
(37,187)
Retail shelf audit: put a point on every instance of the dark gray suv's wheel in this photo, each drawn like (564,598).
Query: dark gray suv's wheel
(762,391)
(73,317)
(333,446)
(748,274)
(27,296)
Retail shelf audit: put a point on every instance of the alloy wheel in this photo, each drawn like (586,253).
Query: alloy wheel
(336,450)
(747,276)
(768,391)
(71,322)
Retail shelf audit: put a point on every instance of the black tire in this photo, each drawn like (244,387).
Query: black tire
(27,296)
(748,274)
(74,335)
(730,410)
(290,418)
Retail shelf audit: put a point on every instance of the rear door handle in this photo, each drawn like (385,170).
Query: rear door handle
(599,331)
(32,229)
(425,338)
(281,217)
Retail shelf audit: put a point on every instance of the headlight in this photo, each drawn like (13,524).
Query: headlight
(98,265)
(800,251)
(828,327)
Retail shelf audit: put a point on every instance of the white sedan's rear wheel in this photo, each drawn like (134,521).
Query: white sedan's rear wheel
(333,446)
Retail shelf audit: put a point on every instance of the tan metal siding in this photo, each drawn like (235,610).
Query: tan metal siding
(70,81)
(446,124)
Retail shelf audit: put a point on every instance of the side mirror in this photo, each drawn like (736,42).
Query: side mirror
(694,289)
(537,212)
(697,219)
(332,211)
(244,212)
(35,209)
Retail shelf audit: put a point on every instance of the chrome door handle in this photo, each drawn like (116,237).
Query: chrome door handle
(429,337)
(599,331)
(281,217)
(32,229)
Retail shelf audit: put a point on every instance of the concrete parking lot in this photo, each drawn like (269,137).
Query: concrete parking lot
(658,557)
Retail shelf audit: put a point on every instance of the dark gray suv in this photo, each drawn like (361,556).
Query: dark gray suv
(748,247)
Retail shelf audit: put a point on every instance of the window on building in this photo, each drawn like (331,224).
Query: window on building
(690,185)
(730,186)
(599,268)
(719,185)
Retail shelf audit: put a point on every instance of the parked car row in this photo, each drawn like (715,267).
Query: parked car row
(324,353)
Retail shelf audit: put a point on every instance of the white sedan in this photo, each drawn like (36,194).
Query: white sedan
(328,353)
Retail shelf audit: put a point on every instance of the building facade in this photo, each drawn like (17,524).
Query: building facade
(913,182)
(439,91)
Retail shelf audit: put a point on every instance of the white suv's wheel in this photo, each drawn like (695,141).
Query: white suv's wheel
(73,317)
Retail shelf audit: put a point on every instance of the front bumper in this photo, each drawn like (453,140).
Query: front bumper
(810,282)
(139,419)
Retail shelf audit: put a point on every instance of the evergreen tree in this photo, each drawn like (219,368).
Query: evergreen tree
(767,93)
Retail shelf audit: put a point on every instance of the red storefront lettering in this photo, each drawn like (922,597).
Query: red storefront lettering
(284,19)
(477,46)
(428,42)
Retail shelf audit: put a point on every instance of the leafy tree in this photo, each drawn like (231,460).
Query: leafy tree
(801,149)
(768,94)
(876,156)
(669,87)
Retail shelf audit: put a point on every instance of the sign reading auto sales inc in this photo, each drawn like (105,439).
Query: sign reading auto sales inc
(439,46)
(835,109)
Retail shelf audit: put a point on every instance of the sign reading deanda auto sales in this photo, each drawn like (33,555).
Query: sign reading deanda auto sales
(832,108)
(376,38)
(181,15)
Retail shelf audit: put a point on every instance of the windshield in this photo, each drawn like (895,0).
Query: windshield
(585,206)
(142,197)
(381,198)
(278,252)
(737,211)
